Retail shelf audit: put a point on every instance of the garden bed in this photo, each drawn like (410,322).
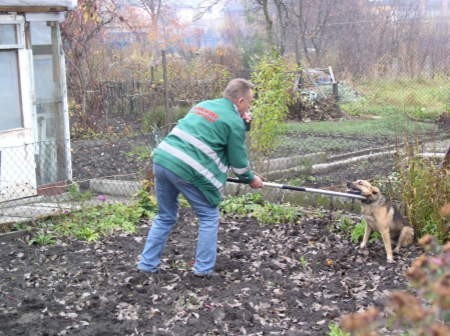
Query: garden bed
(286,279)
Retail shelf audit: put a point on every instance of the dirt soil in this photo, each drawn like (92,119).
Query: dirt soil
(287,279)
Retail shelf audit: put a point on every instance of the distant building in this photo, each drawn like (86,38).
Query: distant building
(415,8)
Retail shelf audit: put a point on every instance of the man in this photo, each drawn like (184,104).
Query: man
(193,160)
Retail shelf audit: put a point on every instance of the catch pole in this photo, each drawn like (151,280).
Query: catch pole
(305,189)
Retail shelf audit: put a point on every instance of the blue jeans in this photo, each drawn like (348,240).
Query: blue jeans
(168,187)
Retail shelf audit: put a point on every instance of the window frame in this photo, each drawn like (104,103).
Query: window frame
(20,31)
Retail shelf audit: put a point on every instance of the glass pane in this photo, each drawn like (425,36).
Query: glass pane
(10,110)
(8,34)
(41,33)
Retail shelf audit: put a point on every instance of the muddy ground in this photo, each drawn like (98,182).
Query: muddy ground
(287,279)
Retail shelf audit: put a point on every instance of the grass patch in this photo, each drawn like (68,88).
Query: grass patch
(391,126)
(90,224)
(420,99)
(349,135)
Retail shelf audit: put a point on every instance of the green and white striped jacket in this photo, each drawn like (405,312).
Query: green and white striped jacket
(204,144)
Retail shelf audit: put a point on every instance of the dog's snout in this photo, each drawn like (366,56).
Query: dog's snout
(349,184)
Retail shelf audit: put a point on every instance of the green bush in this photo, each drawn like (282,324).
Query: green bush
(273,83)
(424,187)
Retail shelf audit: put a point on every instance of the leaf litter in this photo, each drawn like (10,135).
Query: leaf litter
(285,279)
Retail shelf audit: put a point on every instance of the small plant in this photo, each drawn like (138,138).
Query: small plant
(43,238)
(146,202)
(335,330)
(154,118)
(273,214)
(21,226)
(86,234)
(183,202)
(358,233)
(77,195)
(346,225)
(179,265)
(420,113)
(303,262)
(242,205)
(141,153)
(253,205)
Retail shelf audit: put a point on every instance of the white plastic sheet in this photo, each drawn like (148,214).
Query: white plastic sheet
(69,4)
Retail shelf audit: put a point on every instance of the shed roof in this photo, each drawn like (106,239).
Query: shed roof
(66,4)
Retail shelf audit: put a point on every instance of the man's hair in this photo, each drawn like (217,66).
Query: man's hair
(236,88)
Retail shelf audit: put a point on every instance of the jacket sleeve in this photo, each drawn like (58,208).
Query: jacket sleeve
(237,154)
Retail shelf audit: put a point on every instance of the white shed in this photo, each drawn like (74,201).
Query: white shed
(34,122)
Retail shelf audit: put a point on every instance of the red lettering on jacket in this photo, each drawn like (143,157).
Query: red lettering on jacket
(207,114)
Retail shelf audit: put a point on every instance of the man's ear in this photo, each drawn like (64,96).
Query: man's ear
(375,190)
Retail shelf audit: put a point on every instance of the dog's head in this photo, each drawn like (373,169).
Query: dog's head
(364,188)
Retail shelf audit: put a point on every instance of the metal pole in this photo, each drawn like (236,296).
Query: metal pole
(313,190)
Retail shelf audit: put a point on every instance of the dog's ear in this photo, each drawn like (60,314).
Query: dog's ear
(375,190)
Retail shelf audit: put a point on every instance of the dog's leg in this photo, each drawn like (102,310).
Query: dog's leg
(367,232)
(387,245)
(406,238)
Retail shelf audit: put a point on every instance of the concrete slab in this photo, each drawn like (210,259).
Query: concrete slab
(114,187)
(28,211)
(7,219)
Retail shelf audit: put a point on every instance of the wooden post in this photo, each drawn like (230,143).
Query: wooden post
(166,96)
(334,83)
(335,91)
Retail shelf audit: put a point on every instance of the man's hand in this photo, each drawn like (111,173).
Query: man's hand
(256,183)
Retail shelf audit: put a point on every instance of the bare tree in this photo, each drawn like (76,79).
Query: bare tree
(79,31)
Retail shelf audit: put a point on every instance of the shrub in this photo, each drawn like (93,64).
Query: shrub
(427,313)
(424,188)
(271,105)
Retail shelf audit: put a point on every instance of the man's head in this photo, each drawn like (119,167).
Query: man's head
(240,92)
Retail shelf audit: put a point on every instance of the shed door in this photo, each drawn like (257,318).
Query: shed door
(51,136)
(17,162)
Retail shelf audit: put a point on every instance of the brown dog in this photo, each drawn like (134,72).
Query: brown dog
(382,216)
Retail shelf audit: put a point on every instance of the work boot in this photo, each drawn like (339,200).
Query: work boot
(209,276)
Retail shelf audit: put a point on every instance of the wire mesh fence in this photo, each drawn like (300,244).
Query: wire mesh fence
(34,185)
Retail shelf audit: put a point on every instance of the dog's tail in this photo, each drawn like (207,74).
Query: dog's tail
(406,236)
(445,210)
(446,162)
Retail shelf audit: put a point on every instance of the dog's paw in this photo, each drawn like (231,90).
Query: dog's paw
(390,260)
(362,246)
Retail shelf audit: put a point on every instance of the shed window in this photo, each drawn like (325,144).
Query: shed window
(8,34)
(10,109)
